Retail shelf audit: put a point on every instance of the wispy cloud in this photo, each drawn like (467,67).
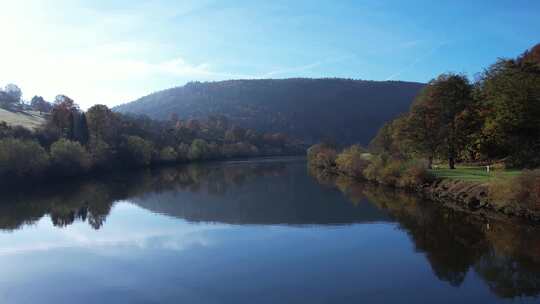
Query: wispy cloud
(307,67)
(410,44)
(204,71)
(417,60)
(159,232)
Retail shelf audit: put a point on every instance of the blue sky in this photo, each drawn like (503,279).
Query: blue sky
(114,51)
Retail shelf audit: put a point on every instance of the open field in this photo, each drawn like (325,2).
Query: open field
(477,174)
(27,119)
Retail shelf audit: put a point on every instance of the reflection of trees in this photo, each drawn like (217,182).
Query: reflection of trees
(505,255)
(450,248)
(18,213)
(322,176)
(509,276)
(450,243)
(512,266)
(65,217)
(353,191)
(92,200)
(86,201)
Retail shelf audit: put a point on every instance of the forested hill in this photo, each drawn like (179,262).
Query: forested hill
(347,111)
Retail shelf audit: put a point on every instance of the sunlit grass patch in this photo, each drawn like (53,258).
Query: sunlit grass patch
(477,174)
(27,119)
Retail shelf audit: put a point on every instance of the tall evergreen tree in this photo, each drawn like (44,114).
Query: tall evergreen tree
(80,128)
(62,116)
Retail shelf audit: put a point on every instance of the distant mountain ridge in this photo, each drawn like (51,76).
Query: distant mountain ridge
(347,111)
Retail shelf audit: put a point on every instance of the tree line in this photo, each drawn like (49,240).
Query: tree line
(11,99)
(74,142)
(309,109)
(496,118)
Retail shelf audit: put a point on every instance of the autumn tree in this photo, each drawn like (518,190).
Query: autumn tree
(62,116)
(38,103)
(511,99)
(424,128)
(322,156)
(168,154)
(198,150)
(383,140)
(14,92)
(103,125)
(352,161)
(235,134)
(453,93)
(393,139)
(22,158)
(434,116)
(10,96)
(69,157)
(138,151)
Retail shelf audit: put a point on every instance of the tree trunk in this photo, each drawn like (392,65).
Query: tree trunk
(451,156)
(451,151)
(451,162)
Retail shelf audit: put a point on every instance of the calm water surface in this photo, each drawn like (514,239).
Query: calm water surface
(262,231)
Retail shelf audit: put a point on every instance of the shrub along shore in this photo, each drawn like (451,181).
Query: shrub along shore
(516,195)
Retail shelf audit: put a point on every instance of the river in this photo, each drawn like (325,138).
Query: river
(258,231)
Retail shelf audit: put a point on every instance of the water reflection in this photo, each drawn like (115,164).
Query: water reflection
(237,193)
(504,256)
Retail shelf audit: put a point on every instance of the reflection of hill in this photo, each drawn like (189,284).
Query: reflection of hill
(238,193)
(257,194)
(505,255)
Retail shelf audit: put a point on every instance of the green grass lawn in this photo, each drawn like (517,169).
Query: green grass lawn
(476,174)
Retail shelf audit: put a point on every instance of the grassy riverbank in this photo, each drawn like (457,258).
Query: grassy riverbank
(474,173)
(512,192)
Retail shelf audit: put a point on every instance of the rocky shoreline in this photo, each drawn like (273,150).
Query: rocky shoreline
(472,197)
(465,196)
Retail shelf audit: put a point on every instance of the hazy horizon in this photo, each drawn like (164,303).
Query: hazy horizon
(114,52)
